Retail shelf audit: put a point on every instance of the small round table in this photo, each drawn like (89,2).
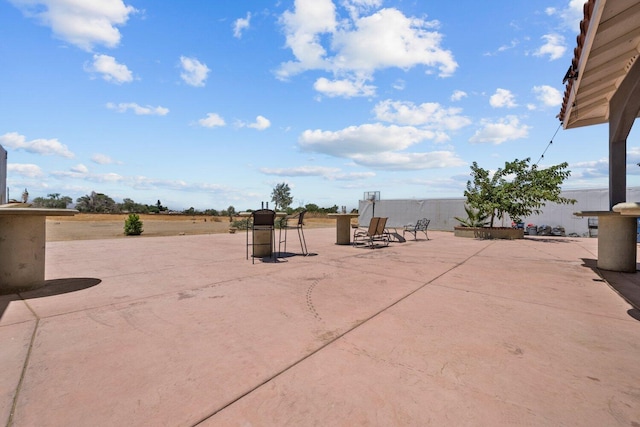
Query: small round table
(22,246)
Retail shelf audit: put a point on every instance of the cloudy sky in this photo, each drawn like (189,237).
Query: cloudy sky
(208,104)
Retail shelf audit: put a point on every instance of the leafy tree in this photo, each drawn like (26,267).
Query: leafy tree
(312,207)
(53,201)
(96,203)
(130,206)
(518,190)
(281,196)
(231,211)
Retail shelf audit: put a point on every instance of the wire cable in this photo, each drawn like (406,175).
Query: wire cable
(549,144)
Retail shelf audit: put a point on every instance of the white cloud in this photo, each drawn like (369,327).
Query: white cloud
(390,39)
(81,23)
(505,47)
(343,88)
(548,95)
(110,69)
(357,7)
(502,98)
(590,169)
(399,84)
(328,173)
(303,28)
(212,120)
(409,161)
(102,159)
(27,170)
(430,115)
(554,47)
(75,173)
(301,171)
(378,146)
(45,147)
(351,176)
(240,25)
(364,139)
(505,129)
(194,72)
(571,15)
(137,109)
(458,95)
(261,123)
(80,168)
(354,48)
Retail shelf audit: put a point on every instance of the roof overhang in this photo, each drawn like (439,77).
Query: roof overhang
(608,45)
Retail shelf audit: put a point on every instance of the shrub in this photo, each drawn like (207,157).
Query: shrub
(241,224)
(133,225)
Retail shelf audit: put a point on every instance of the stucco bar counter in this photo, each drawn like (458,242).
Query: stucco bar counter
(617,237)
(22,246)
(343,227)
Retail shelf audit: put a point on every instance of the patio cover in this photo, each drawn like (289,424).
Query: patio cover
(603,81)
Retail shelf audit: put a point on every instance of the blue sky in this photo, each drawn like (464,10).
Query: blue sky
(208,104)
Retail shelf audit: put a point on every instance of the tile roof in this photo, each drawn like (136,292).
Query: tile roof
(572,72)
(607,45)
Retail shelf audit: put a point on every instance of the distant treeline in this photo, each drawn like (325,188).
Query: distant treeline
(101,203)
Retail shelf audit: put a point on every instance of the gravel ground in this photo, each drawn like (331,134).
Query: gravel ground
(99,226)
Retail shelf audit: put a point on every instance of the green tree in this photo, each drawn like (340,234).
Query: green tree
(281,196)
(133,225)
(96,203)
(53,201)
(518,190)
(312,207)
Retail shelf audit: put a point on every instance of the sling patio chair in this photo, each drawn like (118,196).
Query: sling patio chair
(262,234)
(376,232)
(293,222)
(361,235)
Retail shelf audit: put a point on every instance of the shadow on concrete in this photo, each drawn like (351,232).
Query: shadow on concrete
(397,238)
(60,286)
(49,288)
(635,313)
(550,239)
(627,285)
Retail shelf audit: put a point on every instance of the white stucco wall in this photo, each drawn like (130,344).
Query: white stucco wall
(441,212)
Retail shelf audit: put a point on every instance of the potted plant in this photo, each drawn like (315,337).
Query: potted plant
(518,190)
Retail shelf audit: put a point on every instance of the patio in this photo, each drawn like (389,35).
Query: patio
(184,331)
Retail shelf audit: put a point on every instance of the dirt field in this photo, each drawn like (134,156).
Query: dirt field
(111,226)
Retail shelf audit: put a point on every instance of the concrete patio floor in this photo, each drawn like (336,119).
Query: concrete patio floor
(183,331)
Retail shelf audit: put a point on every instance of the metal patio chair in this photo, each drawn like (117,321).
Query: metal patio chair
(421,225)
(293,222)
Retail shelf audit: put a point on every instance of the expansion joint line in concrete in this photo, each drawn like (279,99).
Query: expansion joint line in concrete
(16,395)
(336,338)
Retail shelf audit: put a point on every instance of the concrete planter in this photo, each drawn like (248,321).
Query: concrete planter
(489,232)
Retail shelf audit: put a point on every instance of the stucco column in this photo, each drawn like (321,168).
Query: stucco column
(617,172)
(624,107)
